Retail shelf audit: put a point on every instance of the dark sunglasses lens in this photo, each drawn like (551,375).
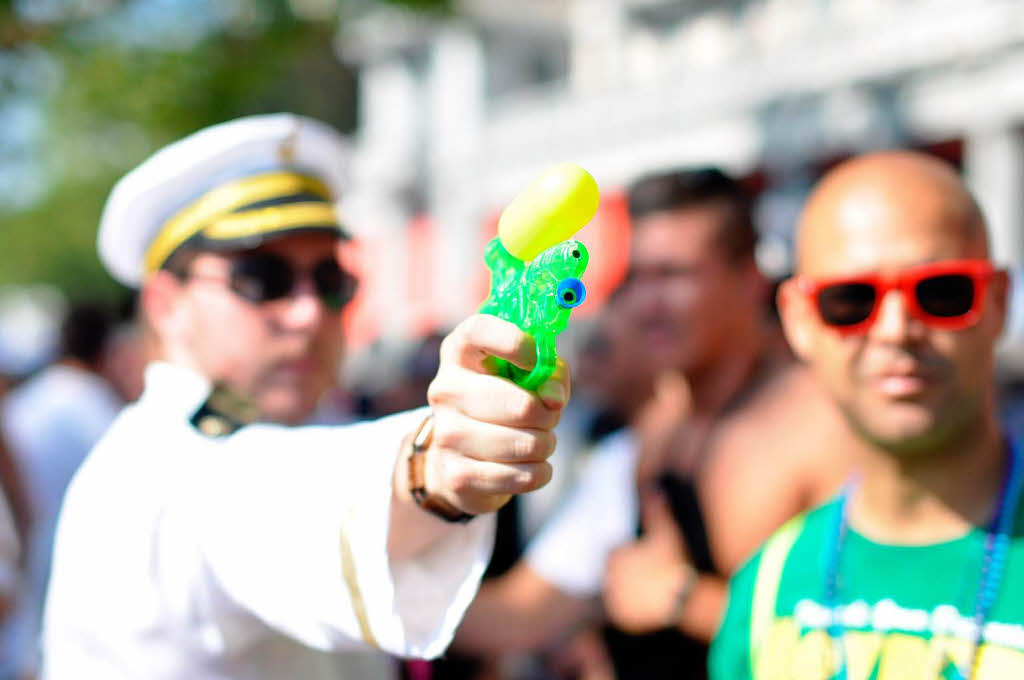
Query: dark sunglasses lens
(335,286)
(949,295)
(262,277)
(846,304)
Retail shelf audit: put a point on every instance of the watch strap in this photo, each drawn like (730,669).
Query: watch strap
(417,464)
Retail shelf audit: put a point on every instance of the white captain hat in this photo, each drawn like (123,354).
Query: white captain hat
(229,186)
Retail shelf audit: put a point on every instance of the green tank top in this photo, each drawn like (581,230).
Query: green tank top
(906,610)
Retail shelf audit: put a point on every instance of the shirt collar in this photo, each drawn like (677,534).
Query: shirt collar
(174,388)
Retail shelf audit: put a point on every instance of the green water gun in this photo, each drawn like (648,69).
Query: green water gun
(536,266)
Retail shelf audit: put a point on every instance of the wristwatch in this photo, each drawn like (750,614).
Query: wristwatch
(432,503)
(682,597)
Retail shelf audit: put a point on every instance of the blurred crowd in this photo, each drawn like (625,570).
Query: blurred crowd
(676,457)
(59,395)
(698,425)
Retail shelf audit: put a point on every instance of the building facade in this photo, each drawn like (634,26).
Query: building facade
(458,114)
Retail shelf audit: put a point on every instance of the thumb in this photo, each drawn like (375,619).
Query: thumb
(555,391)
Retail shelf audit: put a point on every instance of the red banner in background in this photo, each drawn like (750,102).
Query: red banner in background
(423,313)
(607,240)
(362,317)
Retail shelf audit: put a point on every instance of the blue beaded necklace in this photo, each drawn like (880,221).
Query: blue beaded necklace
(993,565)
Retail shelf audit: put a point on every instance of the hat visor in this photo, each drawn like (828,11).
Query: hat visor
(259,238)
(253,228)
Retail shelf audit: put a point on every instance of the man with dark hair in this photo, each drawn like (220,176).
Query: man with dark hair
(51,422)
(915,569)
(705,186)
(711,465)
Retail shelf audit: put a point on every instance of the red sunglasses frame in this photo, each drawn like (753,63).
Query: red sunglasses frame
(979,271)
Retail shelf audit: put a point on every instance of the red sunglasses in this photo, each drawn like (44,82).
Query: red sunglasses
(947,295)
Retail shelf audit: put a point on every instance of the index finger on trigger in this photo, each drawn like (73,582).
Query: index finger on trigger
(490,399)
(482,336)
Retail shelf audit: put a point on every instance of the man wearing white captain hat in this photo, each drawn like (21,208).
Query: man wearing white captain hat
(195,545)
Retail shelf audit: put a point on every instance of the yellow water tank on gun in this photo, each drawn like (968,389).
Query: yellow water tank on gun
(556,205)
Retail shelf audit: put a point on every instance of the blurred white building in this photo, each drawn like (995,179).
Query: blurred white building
(457,115)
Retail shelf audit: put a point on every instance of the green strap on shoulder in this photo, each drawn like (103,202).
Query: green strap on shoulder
(766,585)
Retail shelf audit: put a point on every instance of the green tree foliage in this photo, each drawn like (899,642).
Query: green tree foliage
(123,87)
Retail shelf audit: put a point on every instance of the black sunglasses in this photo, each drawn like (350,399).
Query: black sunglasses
(264,277)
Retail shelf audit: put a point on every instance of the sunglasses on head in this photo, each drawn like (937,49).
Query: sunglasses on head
(265,277)
(947,295)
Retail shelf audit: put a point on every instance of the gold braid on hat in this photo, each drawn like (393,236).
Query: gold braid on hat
(238,209)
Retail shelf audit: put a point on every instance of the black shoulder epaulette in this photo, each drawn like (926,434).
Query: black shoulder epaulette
(224,412)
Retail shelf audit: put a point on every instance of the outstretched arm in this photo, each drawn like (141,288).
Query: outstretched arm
(519,611)
(491,438)
(326,543)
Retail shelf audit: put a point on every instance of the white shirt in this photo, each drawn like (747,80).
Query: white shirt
(248,556)
(600,514)
(567,462)
(50,423)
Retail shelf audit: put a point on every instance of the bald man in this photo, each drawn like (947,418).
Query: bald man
(916,570)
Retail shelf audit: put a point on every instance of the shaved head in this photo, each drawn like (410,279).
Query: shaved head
(889,197)
(903,384)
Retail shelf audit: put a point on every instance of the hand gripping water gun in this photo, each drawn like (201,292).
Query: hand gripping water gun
(535,271)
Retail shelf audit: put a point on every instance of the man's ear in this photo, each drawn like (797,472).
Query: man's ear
(160,303)
(1000,288)
(795,313)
